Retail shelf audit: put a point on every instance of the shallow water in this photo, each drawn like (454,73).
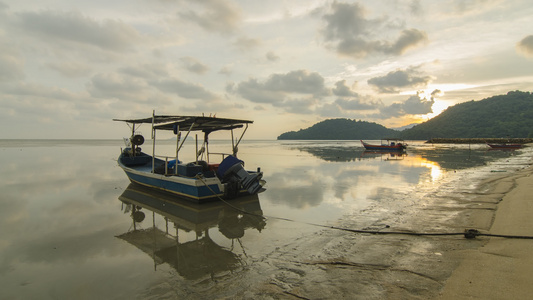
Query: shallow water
(66,229)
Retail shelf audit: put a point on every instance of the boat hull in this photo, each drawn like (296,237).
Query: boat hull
(187,188)
(383,148)
(505,146)
(397,147)
(197,189)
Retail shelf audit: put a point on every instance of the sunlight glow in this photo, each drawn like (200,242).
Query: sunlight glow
(438,107)
(443,87)
(435,170)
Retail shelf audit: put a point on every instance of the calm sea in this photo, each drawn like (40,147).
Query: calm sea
(72,227)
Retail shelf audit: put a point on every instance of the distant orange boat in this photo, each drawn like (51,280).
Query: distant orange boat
(505,146)
(391,145)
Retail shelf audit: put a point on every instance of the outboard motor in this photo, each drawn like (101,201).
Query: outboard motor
(230,169)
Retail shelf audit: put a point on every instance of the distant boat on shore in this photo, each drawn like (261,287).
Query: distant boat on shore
(389,144)
(505,146)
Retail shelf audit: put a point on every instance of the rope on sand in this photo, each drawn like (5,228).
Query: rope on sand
(468,233)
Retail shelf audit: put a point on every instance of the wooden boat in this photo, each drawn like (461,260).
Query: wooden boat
(505,146)
(199,180)
(389,144)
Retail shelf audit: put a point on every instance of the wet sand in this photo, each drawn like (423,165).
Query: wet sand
(503,268)
(334,264)
(340,265)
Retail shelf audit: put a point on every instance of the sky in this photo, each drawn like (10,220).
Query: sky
(68,67)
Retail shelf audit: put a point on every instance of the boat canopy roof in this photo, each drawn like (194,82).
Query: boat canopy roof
(190,123)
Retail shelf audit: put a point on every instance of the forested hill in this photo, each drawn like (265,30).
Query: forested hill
(509,115)
(340,129)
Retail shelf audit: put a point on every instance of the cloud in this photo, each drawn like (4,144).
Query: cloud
(246,44)
(298,106)
(145,71)
(358,104)
(11,64)
(278,86)
(113,85)
(414,105)
(367,107)
(437,93)
(409,38)
(226,70)
(73,27)
(300,81)
(350,100)
(41,104)
(184,89)
(218,16)
(271,56)
(525,46)
(416,7)
(349,104)
(38,91)
(461,7)
(346,21)
(341,89)
(193,65)
(394,81)
(70,69)
(257,92)
(296,91)
(352,34)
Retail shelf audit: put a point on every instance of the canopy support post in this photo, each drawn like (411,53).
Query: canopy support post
(235,149)
(153,141)
(178,137)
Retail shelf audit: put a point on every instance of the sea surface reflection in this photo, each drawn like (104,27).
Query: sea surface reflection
(72,226)
(181,234)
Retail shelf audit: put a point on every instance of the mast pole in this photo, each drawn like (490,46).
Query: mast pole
(153,141)
(206,141)
(196,138)
(178,136)
(233,144)
(133,147)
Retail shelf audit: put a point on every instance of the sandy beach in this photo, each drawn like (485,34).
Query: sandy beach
(503,267)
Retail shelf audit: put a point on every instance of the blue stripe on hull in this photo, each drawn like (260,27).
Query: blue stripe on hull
(191,191)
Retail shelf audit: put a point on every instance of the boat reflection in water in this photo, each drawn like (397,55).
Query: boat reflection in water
(384,155)
(201,256)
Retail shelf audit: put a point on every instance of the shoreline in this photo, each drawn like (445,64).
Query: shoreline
(479,140)
(501,268)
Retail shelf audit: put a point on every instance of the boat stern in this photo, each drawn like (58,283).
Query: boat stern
(231,170)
